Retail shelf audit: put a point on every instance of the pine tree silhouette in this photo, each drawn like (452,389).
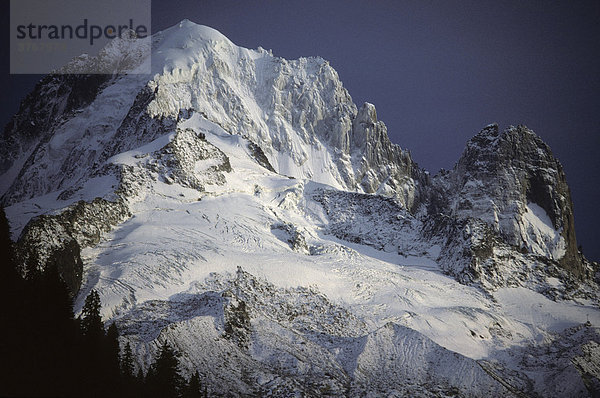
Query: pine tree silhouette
(163,378)
(110,359)
(127,362)
(93,345)
(11,306)
(91,321)
(6,245)
(57,330)
(130,383)
(193,388)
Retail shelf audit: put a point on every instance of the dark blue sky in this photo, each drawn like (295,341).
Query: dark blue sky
(437,71)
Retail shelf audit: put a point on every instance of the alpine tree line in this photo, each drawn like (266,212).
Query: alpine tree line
(45,351)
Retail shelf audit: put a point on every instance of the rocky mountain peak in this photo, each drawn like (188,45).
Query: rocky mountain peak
(366,127)
(297,112)
(367,113)
(513,182)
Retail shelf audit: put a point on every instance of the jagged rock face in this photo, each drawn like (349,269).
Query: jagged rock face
(298,121)
(178,162)
(384,168)
(512,182)
(125,54)
(45,240)
(369,220)
(65,129)
(291,235)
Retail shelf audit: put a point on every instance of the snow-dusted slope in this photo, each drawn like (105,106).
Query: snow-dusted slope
(241,207)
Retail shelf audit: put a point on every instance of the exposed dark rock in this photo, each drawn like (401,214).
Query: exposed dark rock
(259,156)
(237,324)
(292,236)
(179,159)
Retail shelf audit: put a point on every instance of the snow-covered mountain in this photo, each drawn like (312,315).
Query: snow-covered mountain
(241,207)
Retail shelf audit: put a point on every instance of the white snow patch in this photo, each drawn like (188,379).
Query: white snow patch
(132,157)
(540,313)
(541,237)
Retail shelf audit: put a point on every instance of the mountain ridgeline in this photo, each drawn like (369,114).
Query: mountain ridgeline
(151,189)
(299,116)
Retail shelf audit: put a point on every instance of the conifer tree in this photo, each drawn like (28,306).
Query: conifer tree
(56,330)
(9,277)
(93,347)
(127,363)
(163,378)
(11,330)
(6,246)
(193,388)
(110,358)
(91,321)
